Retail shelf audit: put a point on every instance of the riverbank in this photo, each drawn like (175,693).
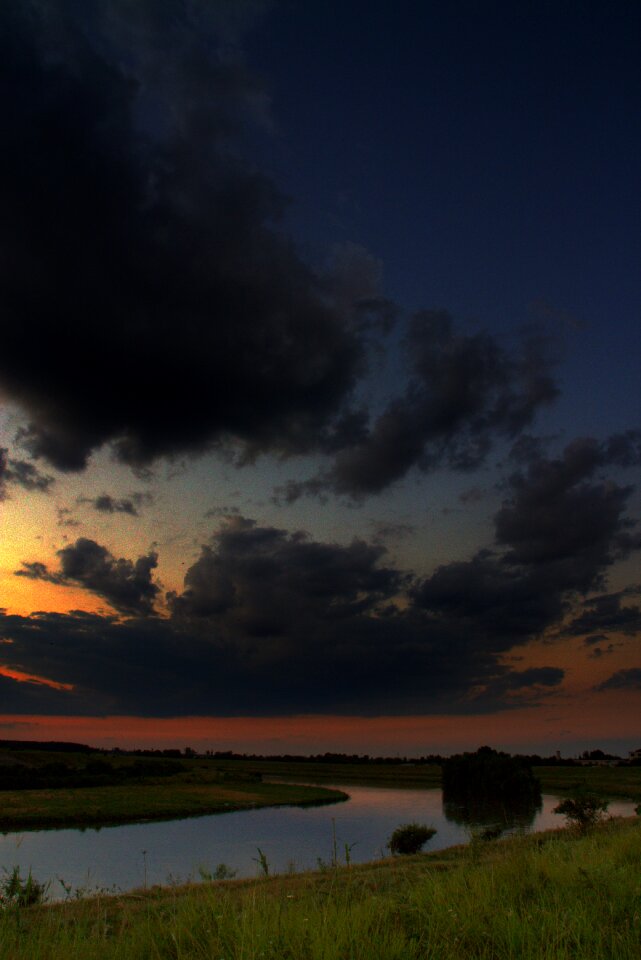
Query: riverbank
(133,803)
(552,895)
(88,789)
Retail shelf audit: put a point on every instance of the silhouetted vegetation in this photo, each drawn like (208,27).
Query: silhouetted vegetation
(583,810)
(489,775)
(95,773)
(490,791)
(410,838)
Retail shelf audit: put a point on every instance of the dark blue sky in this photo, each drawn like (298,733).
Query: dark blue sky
(488,154)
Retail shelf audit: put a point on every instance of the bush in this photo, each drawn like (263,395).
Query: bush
(583,810)
(18,892)
(410,837)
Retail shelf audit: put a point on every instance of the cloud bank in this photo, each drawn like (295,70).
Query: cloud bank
(274,622)
(192,323)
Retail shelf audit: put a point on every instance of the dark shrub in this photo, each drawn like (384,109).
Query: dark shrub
(410,837)
(583,810)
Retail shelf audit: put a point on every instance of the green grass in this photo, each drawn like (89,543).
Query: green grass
(166,799)
(551,896)
(622,783)
(365,774)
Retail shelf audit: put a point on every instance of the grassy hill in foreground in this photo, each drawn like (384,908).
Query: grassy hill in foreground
(540,897)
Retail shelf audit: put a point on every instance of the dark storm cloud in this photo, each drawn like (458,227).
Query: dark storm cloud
(40,571)
(355,666)
(126,585)
(262,580)
(562,519)
(105,503)
(629,679)
(22,474)
(463,391)
(534,679)
(328,628)
(130,222)
(38,698)
(557,532)
(269,623)
(273,622)
(607,613)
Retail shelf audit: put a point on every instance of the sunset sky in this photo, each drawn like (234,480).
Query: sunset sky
(320,374)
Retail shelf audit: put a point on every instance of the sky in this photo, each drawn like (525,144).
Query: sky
(320,375)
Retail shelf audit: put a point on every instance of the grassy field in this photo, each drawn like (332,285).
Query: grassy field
(370,774)
(551,896)
(614,782)
(197,788)
(91,806)
(622,783)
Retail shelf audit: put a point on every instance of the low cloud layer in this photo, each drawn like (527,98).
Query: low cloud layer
(274,622)
(269,622)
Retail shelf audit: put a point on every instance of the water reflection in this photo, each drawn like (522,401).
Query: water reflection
(493,818)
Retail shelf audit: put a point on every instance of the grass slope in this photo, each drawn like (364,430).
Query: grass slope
(546,897)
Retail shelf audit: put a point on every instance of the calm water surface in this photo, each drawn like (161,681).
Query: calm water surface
(292,838)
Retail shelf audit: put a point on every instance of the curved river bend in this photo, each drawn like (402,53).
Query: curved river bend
(292,838)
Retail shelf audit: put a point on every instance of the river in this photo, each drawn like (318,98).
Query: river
(291,838)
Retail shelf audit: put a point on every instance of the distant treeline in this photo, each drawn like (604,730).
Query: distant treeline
(365,758)
(532,759)
(95,773)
